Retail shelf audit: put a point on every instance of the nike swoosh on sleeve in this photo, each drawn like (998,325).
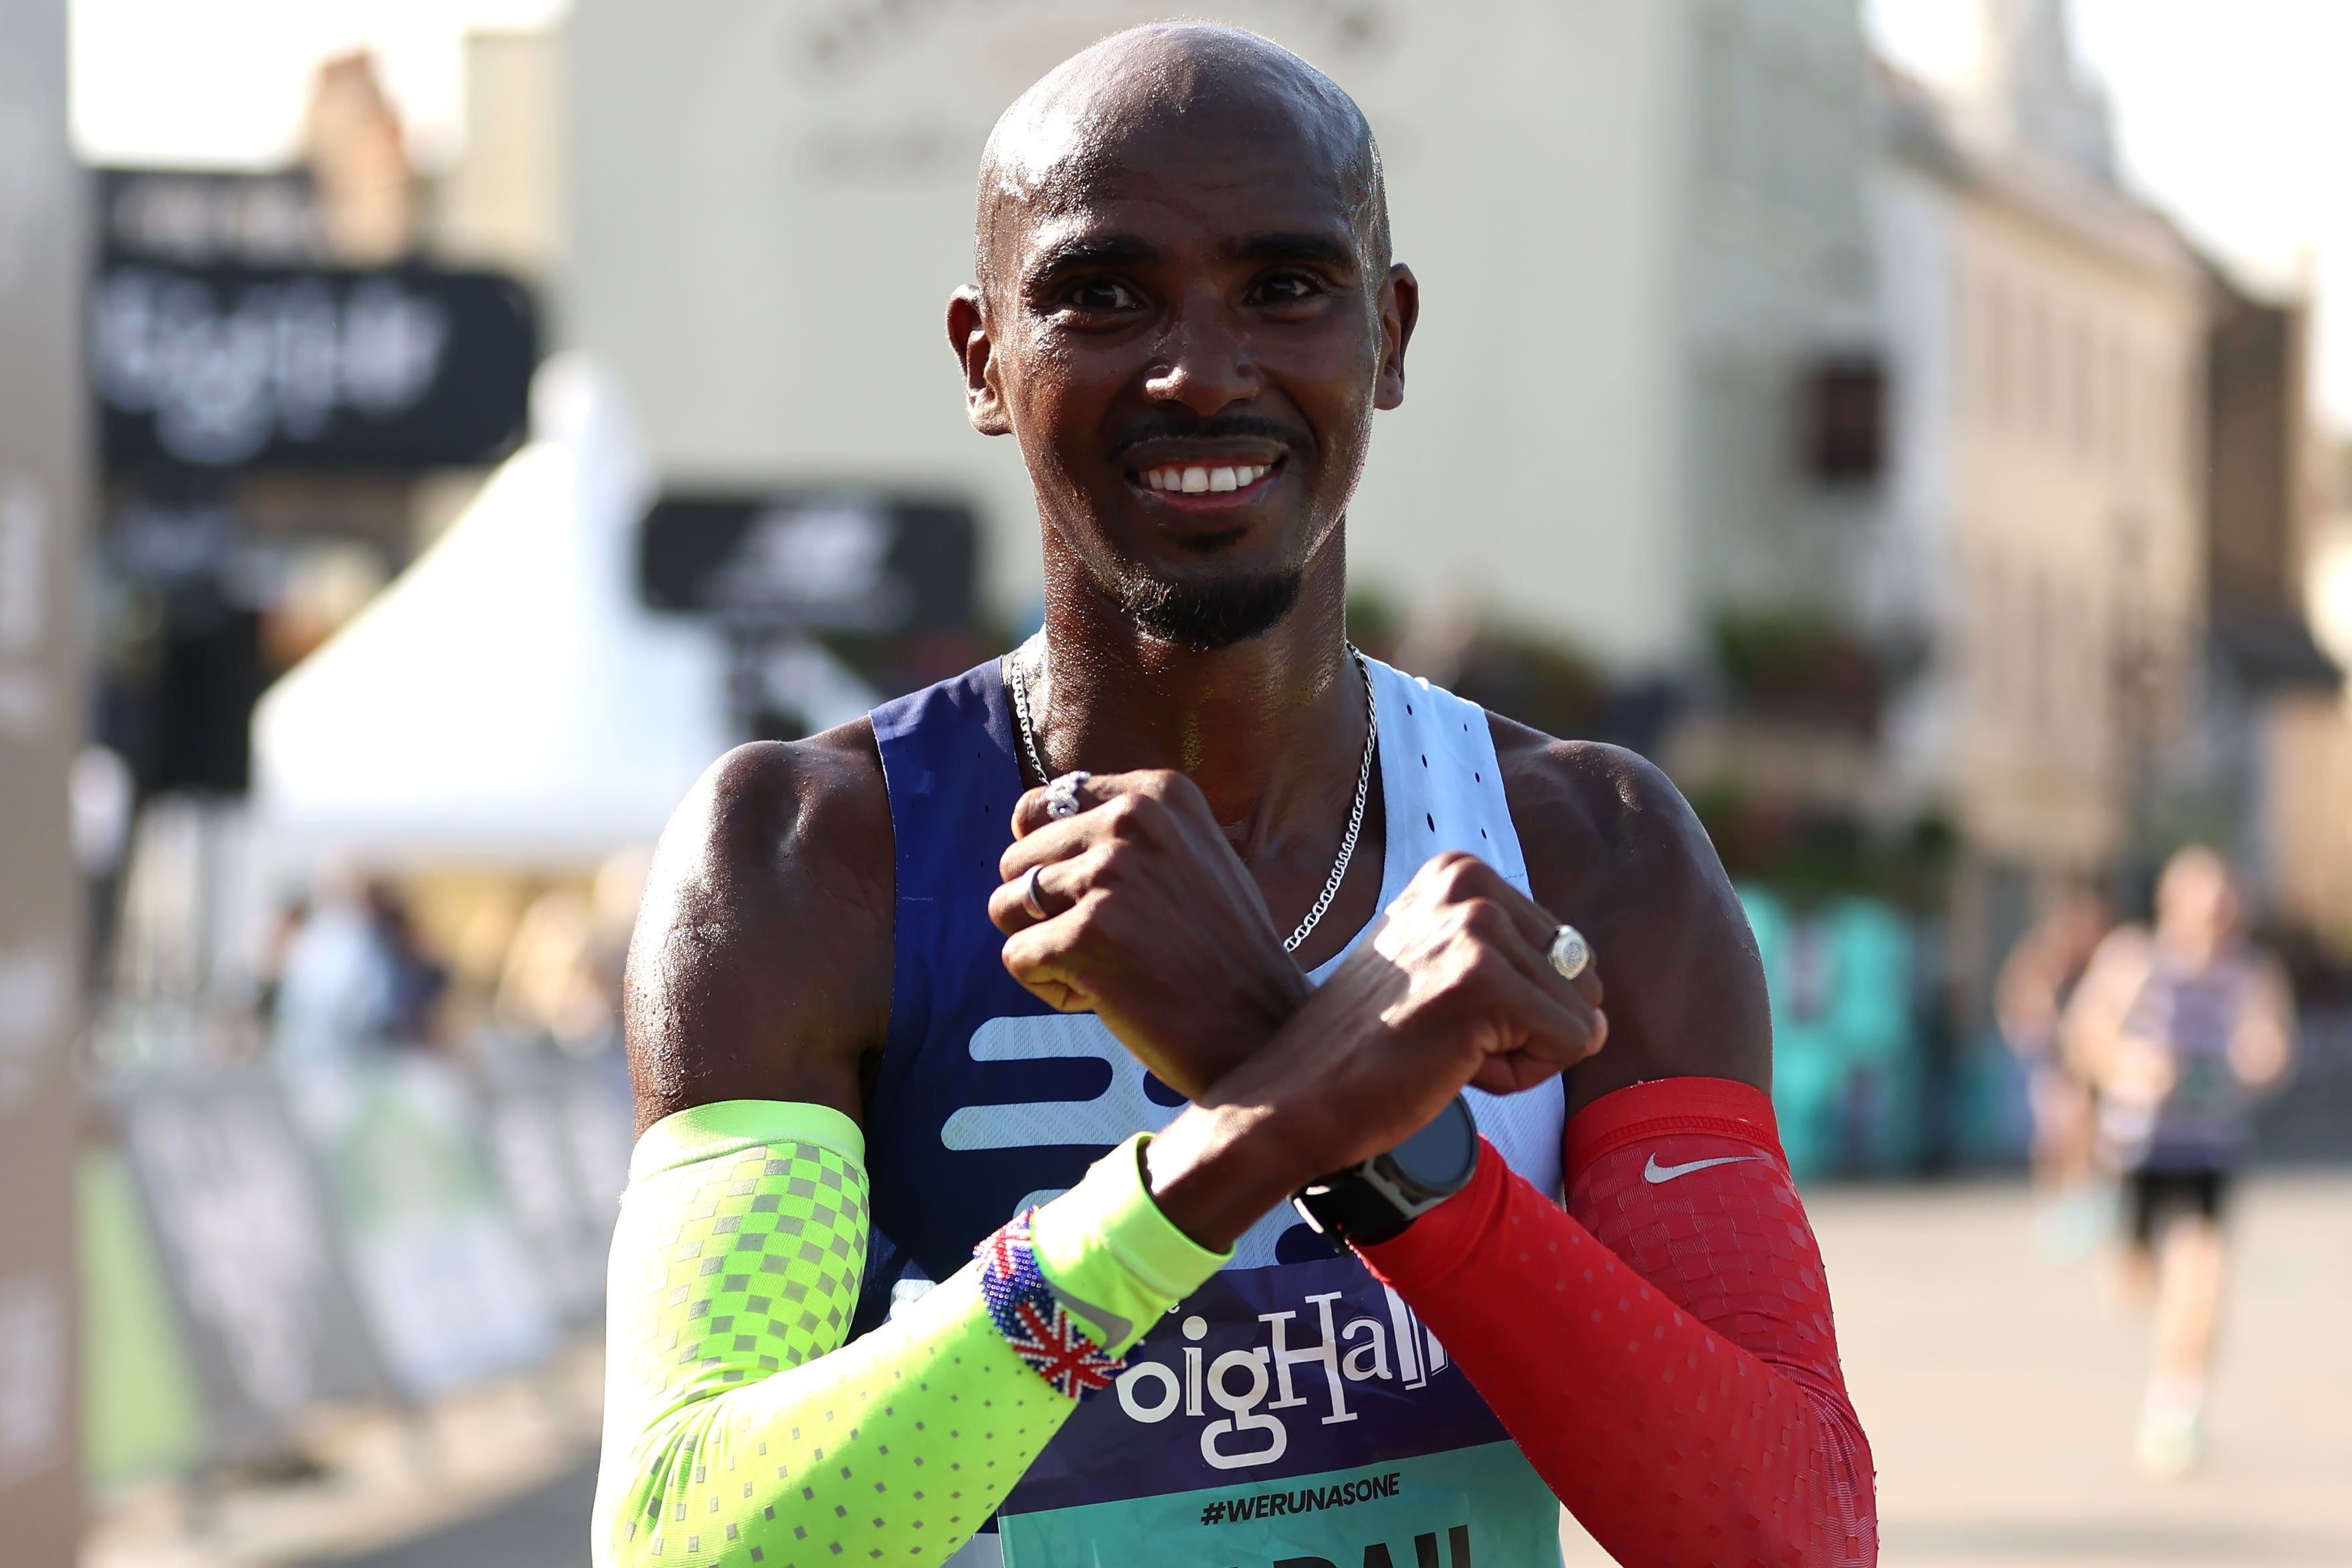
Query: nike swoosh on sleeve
(1654,1172)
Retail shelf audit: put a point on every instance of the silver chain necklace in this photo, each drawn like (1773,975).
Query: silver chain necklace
(1019,686)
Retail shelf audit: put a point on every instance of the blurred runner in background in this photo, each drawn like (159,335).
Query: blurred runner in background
(2036,983)
(2178,1030)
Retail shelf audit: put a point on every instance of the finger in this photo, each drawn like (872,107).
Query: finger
(1532,959)
(1541,929)
(1009,905)
(1061,840)
(1539,926)
(1033,811)
(1455,875)
(1514,1072)
(1038,957)
(1555,1030)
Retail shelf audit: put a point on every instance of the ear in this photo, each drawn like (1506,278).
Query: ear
(1400,309)
(975,350)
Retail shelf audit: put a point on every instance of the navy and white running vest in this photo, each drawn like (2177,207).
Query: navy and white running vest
(1293,1409)
(2205,1121)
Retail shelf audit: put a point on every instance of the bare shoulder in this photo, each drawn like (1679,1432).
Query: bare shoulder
(2121,961)
(1613,849)
(760,966)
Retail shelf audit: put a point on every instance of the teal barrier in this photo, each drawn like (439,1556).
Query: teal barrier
(1847,1064)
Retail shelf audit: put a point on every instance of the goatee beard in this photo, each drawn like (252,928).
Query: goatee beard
(1205,616)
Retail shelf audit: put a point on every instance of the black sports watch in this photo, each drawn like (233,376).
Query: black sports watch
(1376,1200)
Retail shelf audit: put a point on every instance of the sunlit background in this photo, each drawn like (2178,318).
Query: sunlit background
(431,431)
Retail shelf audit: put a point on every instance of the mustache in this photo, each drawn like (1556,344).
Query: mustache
(1217,427)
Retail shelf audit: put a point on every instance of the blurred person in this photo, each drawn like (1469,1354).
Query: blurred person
(545,986)
(276,948)
(2179,1029)
(2030,997)
(903,979)
(414,980)
(334,986)
(353,976)
(563,968)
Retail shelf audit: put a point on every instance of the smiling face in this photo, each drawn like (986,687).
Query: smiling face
(1186,317)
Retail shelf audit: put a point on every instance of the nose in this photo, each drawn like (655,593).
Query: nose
(1206,360)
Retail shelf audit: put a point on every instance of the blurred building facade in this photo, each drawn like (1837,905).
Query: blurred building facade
(2098,513)
(2044,528)
(1639,229)
(2279,700)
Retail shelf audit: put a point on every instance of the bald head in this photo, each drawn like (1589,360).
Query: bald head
(1187,316)
(1136,94)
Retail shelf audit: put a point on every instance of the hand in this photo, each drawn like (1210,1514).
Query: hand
(1153,925)
(2138,1071)
(1453,989)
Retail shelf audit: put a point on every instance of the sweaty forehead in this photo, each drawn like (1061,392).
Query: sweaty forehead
(1185,116)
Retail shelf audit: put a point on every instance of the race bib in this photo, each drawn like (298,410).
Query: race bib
(1292,1417)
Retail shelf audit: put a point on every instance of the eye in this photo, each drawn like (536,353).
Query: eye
(1285,288)
(1100,295)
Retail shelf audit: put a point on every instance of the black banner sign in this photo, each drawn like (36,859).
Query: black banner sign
(825,560)
(308,368)
(197,217)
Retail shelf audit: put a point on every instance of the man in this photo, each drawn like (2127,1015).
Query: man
(2030,997)
(2179,1029)
(910,992)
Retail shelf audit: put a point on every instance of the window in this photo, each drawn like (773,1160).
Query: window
(1847,405)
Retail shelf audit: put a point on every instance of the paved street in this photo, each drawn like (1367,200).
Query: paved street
(1999,1391)
(1997,1388)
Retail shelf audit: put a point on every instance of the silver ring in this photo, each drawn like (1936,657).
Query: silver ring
(1062,801)
(1029,900)
(1570,951)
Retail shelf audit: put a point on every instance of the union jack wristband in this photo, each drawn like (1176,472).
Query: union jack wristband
(1039,1328)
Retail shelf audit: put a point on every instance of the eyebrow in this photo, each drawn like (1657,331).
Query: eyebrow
(1304,246)
(1111,250)
(1124,251)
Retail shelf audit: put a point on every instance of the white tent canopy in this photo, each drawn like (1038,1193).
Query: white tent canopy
(508,700)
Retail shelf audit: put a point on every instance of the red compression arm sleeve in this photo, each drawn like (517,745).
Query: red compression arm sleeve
(1664,1354)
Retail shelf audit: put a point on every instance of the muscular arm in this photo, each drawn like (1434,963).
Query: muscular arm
(740,1427)
(761,966)
(1613,847)
(1662,1349)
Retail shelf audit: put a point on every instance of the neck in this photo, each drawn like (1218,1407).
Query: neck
(1271,730)
(2199,949)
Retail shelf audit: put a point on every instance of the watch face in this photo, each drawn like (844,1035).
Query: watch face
(1441,1157)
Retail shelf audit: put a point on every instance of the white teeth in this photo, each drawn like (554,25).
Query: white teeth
(1198,480)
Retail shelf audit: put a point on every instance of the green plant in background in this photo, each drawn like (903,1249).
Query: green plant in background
(1541,680)
(141,1415)
(1800,666)
(1375,626)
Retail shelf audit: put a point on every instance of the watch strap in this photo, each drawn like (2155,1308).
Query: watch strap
(1374,1202)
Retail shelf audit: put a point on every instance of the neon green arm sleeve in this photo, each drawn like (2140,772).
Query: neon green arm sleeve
(739,1429)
